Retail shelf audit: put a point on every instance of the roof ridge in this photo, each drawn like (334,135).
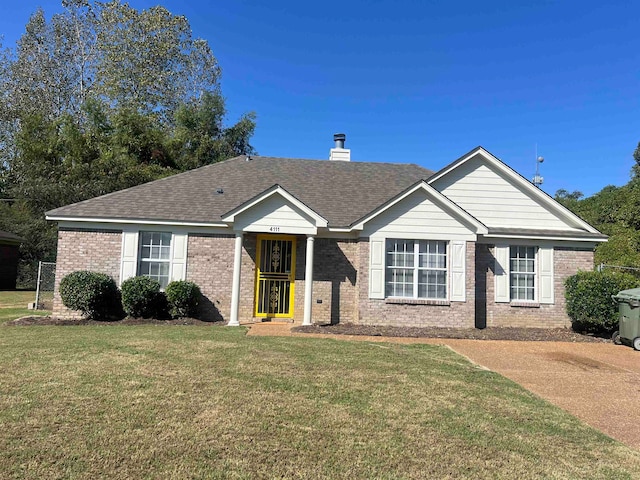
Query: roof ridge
(336,162)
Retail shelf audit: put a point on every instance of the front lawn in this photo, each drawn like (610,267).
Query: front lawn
(209,402)
(13,304)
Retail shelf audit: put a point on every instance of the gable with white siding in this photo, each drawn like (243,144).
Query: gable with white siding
(481,187)
(275,214)
(418,216)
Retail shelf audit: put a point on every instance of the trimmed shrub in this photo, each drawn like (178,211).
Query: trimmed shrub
(94,294)
(589,303)
(183,298)
(141,297)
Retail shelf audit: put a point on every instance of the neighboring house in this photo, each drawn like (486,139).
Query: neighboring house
(474,244)
(9,254)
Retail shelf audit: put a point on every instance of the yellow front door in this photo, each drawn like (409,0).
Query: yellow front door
(276,266)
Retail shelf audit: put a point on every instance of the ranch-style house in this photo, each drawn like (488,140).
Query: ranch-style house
(328,241)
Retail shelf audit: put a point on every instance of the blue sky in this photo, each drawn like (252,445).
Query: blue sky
(424,82)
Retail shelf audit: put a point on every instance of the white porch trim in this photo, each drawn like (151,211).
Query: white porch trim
(308,281)
(235,289)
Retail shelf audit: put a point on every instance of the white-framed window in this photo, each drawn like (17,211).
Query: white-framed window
(416,269)
(154,259)
(522,277)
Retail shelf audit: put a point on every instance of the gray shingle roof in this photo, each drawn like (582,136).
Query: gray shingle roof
(342,192)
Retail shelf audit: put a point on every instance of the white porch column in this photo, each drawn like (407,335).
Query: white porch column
(308,282)
(235,289)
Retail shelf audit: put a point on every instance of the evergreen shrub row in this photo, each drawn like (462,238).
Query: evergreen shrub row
(97,297)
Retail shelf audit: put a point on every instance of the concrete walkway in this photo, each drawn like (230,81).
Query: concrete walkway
(597,382)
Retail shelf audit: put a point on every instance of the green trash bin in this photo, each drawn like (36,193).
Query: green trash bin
(629,315)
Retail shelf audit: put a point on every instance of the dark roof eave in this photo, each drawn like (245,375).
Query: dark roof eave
(8,238)
(524,232)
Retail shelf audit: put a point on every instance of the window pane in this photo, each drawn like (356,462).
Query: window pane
(145,238)
(400,253)
(426,267)
(432,284)
(522,278)
(155,255)
(165,252)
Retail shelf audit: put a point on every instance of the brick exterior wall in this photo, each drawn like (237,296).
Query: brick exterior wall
(334,280)
(79,249)
(341,282)
(381,312)
(247,277)
(567,261)
(210,266)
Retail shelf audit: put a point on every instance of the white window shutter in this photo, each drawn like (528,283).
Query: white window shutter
(376,268)
(129,258)
(545,275)
(501,272)
(457,262)
(179,257)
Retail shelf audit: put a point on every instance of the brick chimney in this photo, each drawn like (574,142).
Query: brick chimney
(339,153)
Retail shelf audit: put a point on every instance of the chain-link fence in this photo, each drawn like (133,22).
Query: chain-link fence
(632,270)
(44,286)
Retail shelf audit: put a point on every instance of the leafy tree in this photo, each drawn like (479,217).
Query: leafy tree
(200,137)
(149,61)
(615,211)
(99,98)
(569,200)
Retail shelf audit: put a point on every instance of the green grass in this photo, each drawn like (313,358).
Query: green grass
(13,304)
(210,402)
(16,298)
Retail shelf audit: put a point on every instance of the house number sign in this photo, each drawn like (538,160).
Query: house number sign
(274,229)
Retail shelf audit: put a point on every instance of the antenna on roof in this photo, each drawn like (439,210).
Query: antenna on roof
(538,179)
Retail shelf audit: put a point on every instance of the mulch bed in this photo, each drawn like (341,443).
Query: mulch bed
(495,333)
(27,321)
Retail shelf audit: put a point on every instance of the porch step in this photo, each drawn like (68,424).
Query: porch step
(271,329)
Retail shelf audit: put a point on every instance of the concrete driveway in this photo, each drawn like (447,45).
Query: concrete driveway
(597,382)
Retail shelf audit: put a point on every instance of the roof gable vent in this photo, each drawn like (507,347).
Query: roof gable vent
(340,153)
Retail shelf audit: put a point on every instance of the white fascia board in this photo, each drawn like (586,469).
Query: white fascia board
(340,230)
(338,234)
(520,181)
(456,163)
(277,190)
(135,227)
(437,197)
(540,237)
(140,221)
